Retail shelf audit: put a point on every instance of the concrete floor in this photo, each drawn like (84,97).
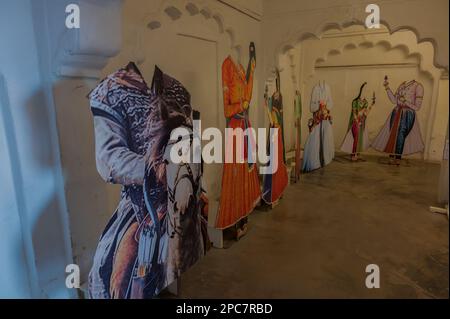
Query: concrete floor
(328,227)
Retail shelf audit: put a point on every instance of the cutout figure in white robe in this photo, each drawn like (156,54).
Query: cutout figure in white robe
(319,147)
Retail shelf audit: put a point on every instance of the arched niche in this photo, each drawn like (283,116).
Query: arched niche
(297,25)
(402,43)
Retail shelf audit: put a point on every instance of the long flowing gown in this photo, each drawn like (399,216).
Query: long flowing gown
(240,183)
(275,184)
(298,135)
(319,147)
(401,134)
(356,140)
(132,256)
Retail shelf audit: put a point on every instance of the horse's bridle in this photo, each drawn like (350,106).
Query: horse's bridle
(172,190)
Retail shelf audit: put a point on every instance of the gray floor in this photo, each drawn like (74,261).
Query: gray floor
(317,242)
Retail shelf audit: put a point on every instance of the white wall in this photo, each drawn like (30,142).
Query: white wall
(34,249)
(15,277)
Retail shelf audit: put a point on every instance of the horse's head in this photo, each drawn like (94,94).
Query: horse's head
(166,117)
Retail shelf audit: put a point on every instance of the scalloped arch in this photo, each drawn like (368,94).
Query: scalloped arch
(219,20)
(334,52)
(323,27)
(328,27)
(365,44)
(192,8)
(350,46)
(206,12)
(173,12)
(175,9)
(287,48)
(320,60)
(305,36)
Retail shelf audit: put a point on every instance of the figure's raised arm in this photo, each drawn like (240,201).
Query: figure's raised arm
(249,84)
(392,97)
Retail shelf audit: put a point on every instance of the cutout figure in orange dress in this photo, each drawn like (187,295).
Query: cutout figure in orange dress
(240,183)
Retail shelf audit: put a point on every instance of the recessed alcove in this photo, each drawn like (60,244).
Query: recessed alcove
(346,57)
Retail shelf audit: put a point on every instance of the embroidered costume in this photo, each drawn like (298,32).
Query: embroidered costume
(148,242)
(298,135)
(240,183)
(275,184)
(319,147)
(356,140)
(401,133)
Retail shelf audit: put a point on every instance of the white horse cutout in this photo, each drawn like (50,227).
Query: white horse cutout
(183,212)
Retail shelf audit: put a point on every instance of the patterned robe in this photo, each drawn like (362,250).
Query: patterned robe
(131,259)
(319,147)
(401,133)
